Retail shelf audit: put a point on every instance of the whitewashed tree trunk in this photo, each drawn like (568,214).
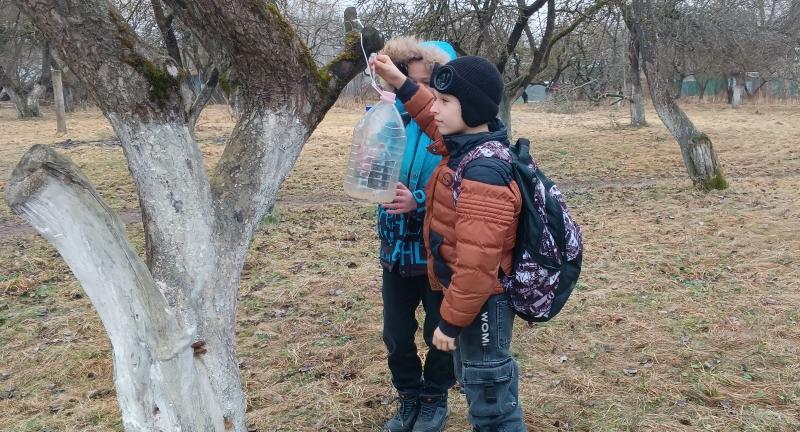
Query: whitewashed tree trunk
(738,90)
(171,318)
(160,383)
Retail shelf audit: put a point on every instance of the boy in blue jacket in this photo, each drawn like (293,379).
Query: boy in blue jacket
(422,388)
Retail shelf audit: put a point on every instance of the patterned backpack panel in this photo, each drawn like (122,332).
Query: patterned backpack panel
(549,248)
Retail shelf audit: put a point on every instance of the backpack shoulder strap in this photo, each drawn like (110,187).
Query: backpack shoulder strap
(523,151)
(489,149)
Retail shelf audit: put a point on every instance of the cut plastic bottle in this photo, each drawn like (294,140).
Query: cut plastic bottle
(379,141)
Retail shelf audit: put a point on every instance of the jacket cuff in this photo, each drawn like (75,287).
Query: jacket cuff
(419,197)
(407,90)
(449,330)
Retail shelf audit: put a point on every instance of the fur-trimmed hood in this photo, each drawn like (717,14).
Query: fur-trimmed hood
(404,49)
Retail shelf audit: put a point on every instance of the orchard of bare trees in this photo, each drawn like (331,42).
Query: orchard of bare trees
(151,67)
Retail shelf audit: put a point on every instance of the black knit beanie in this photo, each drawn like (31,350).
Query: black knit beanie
(476,83)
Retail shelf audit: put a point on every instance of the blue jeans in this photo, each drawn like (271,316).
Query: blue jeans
(486,370)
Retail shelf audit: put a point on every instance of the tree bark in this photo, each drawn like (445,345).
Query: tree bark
(697,150)
(524,14)
(738,90)
(19,102)
(701,85)
(167,32)
(58,97)
(33,98)
(47,64)
(203,97)
(197,227)
(505,112)
(277,90)
(75,92)
(635,72)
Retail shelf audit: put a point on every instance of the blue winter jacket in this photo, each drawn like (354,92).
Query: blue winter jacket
(401,235)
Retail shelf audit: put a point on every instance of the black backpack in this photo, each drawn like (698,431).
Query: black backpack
(549,247)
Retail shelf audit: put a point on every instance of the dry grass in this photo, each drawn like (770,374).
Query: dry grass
(696,292)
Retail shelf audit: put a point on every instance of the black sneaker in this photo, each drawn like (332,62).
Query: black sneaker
(433,414)
(403,420)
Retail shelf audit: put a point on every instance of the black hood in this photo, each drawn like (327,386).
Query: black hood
(459,145)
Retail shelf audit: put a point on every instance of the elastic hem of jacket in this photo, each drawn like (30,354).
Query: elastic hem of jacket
(450,330)
(407,90)
(419,197)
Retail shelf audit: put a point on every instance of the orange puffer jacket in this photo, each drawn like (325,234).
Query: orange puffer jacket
(469,244)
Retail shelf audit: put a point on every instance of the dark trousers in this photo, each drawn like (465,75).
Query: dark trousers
(486,370)
(401,297)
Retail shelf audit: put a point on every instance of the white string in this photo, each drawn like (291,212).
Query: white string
(364,51)
(375,84)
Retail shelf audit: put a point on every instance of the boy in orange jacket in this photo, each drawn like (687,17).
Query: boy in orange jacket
(470,227)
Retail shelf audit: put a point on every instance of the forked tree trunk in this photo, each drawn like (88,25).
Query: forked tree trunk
(26,101)
(701,162)
(155,369)
(171,317)
(540,54)
(26,104)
